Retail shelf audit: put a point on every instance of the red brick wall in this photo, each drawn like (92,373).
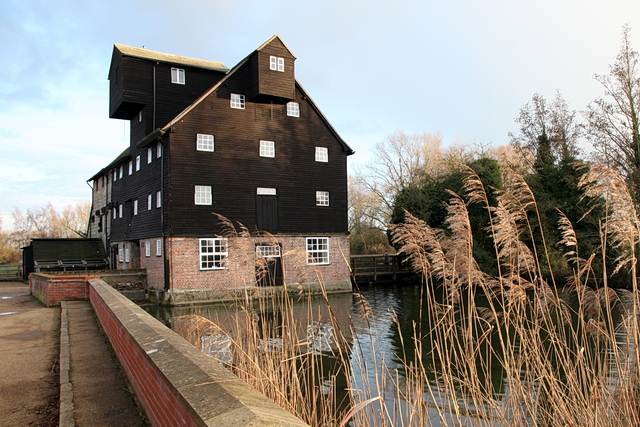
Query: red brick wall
(53,289)
(153,263)
(162,406)
(184,258)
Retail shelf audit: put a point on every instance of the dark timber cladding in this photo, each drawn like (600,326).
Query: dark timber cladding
(169,116)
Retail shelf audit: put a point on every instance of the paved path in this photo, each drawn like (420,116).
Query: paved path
(94,392)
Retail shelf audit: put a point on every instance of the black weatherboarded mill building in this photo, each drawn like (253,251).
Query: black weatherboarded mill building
(211,145)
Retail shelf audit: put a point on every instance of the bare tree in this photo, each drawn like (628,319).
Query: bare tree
(613,120)
(555,122)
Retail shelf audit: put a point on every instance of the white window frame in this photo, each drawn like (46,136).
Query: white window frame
(322,198)
(213,253)
(238,101)
(147,249)
(127,253)
(149,155)
(177,76)
(293,109)
(268,251)
(159,150)
(120,253)
(276,63)
(149,202)
(158,247)
(317,250)
(267,149)
(140,116)
(131,168)
(322,154)
(138,161)
(120,210)
(205,142)
(158,199)
(265,191)
(121,171)
(135,207)
(115,175)
(115,213)
(202,195)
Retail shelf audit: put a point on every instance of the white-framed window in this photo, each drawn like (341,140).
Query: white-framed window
(115,175)
(120,253)
(317,250)
(115,213)
(149,155)
(158,199)
(137,163)
(120,210)
(322,198)
(147,248)
(131,168)
(204,142)
(140,116)
(264,191)
(159,150)
(158,247)
(276,63)
(213,254)
(149,201)
(322,154)
(293,109)
(127,253)
(268,251)
(203,195)
(177,76)
(237,101)
(135,207)
(267,149)
(121,171)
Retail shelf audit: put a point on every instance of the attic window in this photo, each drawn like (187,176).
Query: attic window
(276,63)
(293,109)
(237,101)
(177,76)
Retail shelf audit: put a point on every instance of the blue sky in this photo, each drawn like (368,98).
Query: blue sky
(463,68)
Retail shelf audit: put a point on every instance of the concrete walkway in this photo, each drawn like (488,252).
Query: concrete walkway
(34,342)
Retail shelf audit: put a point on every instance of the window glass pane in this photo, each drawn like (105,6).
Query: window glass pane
(322,198)
(237,101)
(317,250)
(203,195)
(204,142)
(213,254)
(293,109)
(267,149)
(322,154)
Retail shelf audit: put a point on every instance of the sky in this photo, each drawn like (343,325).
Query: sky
(462,68)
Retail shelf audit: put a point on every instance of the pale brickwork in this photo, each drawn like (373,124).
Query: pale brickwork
(184,256)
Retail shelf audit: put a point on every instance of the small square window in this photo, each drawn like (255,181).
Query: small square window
(147,248)
(204,142)
(149,155)
(276,63)
(203,195)
(267,149)
(317,250)
(158,199)
(137,163)
(322,154)
(293,109)
(177,76)
(158,247)
(322,198)
(135,207)
(237,101)
(213,254)
(149,202)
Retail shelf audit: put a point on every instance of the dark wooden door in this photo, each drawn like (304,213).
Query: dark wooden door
(267,213)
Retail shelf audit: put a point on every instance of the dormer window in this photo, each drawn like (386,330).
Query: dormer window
(237,101)
(177,76)
(276,63)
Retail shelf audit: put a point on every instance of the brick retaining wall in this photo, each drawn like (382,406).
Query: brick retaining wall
(51,289)
(177,384)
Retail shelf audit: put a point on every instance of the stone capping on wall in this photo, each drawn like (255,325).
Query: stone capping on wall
(175,382)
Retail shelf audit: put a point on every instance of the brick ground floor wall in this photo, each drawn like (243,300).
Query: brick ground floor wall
(185,272)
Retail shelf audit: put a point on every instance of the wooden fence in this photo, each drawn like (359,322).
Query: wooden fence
(11,272)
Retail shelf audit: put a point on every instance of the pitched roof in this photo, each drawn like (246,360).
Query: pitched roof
(142,53)
(162,130)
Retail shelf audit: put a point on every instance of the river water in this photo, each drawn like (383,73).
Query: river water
(377,324)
